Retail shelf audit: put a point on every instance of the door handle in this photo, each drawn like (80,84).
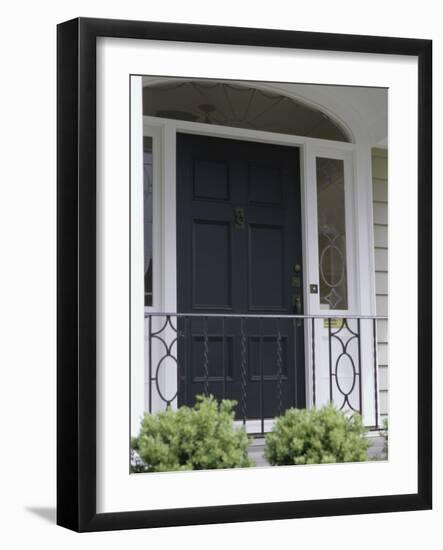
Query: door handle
(240,218)
(296,302)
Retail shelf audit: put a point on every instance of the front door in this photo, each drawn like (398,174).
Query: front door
(239,256)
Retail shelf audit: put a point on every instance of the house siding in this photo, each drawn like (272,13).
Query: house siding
(380,209)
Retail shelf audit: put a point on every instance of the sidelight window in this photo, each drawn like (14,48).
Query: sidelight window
(147,206)
(331,233)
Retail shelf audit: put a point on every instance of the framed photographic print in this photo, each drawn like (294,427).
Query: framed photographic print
(244,274)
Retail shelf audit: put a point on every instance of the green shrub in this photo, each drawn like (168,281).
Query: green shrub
(316,436)
(385,435)
(192,438)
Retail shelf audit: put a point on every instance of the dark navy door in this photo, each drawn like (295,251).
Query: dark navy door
(239,253)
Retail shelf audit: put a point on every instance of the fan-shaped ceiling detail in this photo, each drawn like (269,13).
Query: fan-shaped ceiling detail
(227,104)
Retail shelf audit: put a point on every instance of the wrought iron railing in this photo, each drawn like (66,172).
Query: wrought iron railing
(190,354)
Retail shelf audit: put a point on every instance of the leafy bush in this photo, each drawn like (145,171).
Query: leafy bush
(316,436)
(192,438)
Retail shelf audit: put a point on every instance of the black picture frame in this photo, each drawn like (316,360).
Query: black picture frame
(76,279)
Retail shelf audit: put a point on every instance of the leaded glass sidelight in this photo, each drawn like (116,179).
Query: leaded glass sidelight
(331,233)
(147,208)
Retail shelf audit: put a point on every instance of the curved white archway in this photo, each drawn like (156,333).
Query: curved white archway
(327,123)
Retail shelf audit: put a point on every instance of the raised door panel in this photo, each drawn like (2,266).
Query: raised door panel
(211,265)
(266,267)
(211,180)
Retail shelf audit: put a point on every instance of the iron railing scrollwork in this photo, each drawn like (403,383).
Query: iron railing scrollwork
(166,332)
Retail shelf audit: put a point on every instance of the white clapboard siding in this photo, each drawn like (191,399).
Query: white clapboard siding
(381,262)
(383,378)
(380,235)
(380,212)
(380,206)
(382,332)
(382,304)
(380,191)
(382,354)
(381,282)
(383,403)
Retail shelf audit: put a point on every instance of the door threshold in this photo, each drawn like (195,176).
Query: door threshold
(254,426)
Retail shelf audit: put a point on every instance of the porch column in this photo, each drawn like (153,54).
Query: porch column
(365,274)
(137,256)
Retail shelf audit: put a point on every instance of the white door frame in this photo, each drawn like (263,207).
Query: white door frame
(359,238)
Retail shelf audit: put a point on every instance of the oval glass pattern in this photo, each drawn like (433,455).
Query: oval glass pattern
(331,255)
